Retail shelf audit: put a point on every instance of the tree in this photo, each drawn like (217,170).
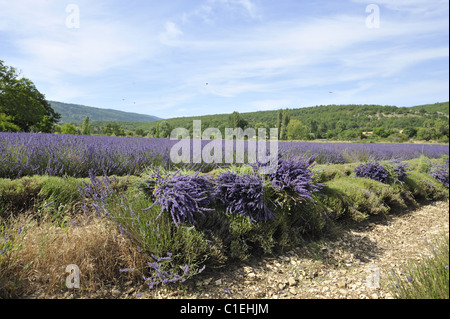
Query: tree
(46,125)
(23,103)
(262,125)
(235,120)
(279,121)
(441,129)
(68,129)
(313,127)
(157,130)
(340,126)
(113,129)
(140,132)
(295,130)
(410,132)
(381,132)
(86,128)
(284,123)
(6,124)
(152,132)
(164,129)
(425,133)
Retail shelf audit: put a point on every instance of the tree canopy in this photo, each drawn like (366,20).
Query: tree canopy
(22,105)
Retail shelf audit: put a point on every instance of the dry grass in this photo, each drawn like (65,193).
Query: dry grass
(44,249)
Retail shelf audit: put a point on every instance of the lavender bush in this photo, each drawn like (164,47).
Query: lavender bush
(243,195)
(440,172)
(373,171)
(97,193)
(295,178)
(401,171)
(391,172)
(182,196)
(397,171)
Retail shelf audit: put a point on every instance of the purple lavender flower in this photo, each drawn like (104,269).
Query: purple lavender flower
(440,172)
(373,171)
(401,172)
(242,195)
(295,176)
(182,196)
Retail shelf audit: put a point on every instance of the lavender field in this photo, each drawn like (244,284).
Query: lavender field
(26,154)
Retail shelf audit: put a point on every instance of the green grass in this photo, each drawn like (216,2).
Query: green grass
(427,279)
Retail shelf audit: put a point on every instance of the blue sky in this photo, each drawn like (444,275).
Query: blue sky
(195,57)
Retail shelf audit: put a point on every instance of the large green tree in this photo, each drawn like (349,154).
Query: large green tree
(23,104)
(295,130)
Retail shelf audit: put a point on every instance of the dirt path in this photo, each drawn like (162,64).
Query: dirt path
(344,268)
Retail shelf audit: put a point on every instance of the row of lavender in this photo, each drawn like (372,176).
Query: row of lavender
(23,154)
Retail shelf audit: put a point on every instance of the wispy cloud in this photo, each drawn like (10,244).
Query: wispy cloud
(171,32)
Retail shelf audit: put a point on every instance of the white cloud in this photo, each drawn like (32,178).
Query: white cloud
(248,6)
(171,33)
(212,10)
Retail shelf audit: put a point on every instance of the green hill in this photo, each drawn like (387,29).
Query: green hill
(340,122)
(72,113)
(431,108)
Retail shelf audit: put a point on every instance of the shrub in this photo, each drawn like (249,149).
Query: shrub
(182,196)
(243,195)
(401,171)
(295,177)
(440,173)
(397,171)
(424,164)
(373,171)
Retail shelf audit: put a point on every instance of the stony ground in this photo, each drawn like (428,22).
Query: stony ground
(355,265)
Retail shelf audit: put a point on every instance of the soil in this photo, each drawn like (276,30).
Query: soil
(355,264)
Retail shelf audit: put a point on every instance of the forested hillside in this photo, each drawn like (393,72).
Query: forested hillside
(336,122)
